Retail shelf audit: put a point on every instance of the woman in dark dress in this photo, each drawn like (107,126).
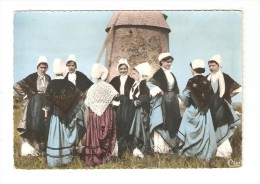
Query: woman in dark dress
(224,117)
(122,84)
(31,128)
(139,111)
(165,111)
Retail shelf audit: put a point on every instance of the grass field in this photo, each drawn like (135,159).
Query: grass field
(151,161)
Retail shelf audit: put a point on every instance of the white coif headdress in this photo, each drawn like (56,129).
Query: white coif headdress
(99,71)
(164,55)
(122,61)
(144,69)
(218,59)
(59,66)
(197,63)
(72,57)
(42,59)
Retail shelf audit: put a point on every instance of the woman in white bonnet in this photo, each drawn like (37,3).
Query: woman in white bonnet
(63,102)
(101,127)
(140,111)
(31,128)
(165,111)
(196,132)
(122,84)
(76,77)
(224,117)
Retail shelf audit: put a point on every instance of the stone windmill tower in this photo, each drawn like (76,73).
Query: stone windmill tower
(138,36)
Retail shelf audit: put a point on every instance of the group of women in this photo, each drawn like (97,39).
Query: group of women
(147,113)
(141,113)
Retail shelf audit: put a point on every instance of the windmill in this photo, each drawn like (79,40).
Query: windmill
(138,36)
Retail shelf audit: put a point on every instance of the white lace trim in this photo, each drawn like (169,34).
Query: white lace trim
(160,146)
(99,96)
(224,150)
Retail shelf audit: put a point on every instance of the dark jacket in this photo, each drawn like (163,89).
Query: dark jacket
(28,86)
(82,81)
(161,81)
(144,96)
(230,86)
(115,82)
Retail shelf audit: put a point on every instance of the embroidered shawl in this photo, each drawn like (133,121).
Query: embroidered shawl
(200,92)
(99,96)
(63,96)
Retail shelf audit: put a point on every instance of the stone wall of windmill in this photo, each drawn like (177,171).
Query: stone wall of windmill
(138,36)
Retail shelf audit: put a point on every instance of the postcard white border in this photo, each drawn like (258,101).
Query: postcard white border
(247,173)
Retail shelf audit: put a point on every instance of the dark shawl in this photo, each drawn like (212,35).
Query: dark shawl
(115,82)
(230,86)
(161,81)
(144,96)
(63,96)
(82,81)
(29,84)
(200,93)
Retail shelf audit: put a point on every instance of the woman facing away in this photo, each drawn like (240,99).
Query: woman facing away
(139,111)
(196,132)
(101,127)
(122,84)
(63,102)
(165,111)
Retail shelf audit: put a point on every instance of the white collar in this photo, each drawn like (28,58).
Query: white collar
(165,70)
(72,73)
(59,77)
(220,77)
(136,82)
(215,76)
(41,75)
(123,76)
(197,74)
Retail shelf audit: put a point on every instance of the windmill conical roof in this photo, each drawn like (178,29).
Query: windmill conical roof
(139,18)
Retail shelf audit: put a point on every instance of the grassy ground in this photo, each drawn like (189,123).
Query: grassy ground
(151,161)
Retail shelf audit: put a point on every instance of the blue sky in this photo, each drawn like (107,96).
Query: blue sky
(194,34)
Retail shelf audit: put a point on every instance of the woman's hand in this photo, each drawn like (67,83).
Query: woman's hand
(137,102)
(161,93)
